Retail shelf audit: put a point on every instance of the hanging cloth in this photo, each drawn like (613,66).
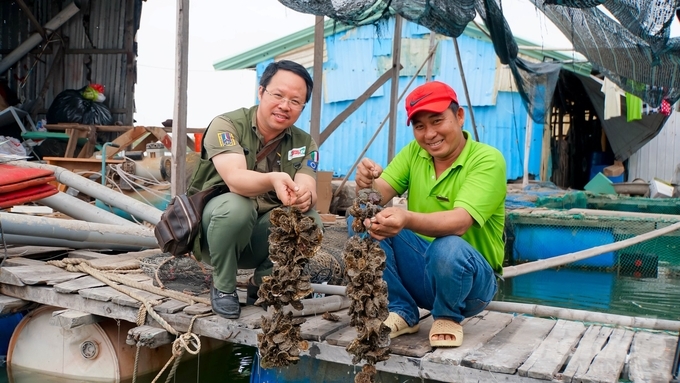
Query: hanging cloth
(612,100)
(633,107)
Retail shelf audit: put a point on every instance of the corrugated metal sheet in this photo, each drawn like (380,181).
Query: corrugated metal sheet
(110,26)
(660,157)
(351,68)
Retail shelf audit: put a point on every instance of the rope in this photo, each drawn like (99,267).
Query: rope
(187,342)
(186,298)
(182,344)
(134,371)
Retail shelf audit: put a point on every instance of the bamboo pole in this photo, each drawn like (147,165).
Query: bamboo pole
(584,315)
(542,264)
(527,150)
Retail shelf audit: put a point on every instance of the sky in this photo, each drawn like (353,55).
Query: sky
(219,29)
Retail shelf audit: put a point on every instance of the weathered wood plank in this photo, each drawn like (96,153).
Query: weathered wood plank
(415,345)
(147,336)
(47,296)
(608,363)
(124,260)
(69,319)
(75,285)
(10,305)
(591,343)
(86,254)
(553,352)
(511,347)
(197,309)
(20,261)
(28,251)
(317,328)
(103,294)
(651,357)
(126,300)
(478,330)
(33,275)
(170,306)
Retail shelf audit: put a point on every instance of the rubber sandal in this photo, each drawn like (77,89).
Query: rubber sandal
(398,326)
(446,327)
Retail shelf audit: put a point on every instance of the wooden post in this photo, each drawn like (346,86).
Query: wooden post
(315,124)
(179,117)
(394,90)
(527,150)
(130,62)
(465,88)
(430,62)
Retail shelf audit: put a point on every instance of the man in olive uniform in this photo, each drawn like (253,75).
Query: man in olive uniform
(266,162)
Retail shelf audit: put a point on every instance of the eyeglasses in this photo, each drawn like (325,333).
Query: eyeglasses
(294,104)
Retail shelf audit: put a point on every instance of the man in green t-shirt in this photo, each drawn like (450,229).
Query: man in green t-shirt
(444,252)
(266,162)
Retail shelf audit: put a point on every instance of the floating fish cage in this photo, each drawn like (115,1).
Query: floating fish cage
(622,203)
(533,234)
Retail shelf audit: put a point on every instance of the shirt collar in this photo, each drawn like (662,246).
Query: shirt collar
(253,125)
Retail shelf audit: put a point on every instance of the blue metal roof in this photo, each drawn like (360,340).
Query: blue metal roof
(355,60)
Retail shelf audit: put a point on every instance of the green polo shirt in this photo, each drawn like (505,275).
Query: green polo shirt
(475,182)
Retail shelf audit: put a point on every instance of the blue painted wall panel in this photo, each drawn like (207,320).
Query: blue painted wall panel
(351,68)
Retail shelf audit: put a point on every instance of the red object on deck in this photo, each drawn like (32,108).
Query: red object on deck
(20,185)
(10,174)
(28,194)
(24,184)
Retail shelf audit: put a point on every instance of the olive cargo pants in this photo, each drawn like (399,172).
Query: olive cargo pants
(237,238)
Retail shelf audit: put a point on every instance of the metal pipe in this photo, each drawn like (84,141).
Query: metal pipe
(36,38)
(329,289)
(13,239)
(74,230)
(465,88)
(93,189)
(79,209)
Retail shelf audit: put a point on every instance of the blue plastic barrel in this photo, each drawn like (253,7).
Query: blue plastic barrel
(7,325)
(534,242)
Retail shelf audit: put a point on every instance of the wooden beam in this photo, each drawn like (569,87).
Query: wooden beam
(69,319)
(394,89)
(315,126)
(32,19)
(125,139)
(148,336)
(10,305)
(130,61)
(355,105)
(179,117)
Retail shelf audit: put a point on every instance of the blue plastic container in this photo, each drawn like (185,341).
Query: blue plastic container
(576,289)
(7,325)
(599,168)
(533,242)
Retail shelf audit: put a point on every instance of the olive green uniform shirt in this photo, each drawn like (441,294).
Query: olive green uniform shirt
(224,138)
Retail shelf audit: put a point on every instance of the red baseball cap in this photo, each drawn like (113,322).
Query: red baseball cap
(433,96)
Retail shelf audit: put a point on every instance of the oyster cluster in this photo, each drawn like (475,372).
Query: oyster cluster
(364,265)
(280,340)
(293,240)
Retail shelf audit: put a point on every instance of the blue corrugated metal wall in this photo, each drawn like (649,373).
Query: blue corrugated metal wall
(354,64)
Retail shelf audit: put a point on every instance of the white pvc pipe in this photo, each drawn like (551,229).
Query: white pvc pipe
(36,38)
(79,209)
(136,208)
(13,239)
(74,230)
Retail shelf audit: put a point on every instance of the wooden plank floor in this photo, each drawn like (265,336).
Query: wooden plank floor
(497,346)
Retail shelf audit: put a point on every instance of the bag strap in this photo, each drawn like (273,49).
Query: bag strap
(264,152)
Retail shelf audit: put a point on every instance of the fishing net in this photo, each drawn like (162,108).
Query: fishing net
(633,48)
